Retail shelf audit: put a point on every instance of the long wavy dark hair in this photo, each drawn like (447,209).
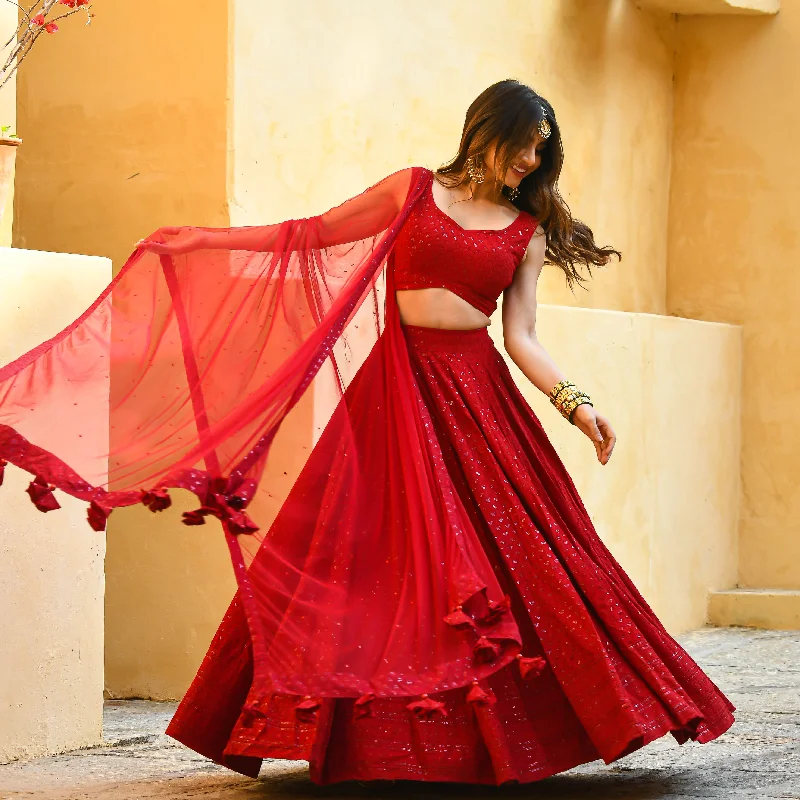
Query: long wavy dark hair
(508,114)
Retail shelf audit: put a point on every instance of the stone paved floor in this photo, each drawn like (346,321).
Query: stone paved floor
(758,758)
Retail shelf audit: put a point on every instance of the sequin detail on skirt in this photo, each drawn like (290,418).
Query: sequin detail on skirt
(608,678)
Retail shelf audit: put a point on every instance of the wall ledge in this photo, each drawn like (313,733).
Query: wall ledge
(771,609)
(712,6)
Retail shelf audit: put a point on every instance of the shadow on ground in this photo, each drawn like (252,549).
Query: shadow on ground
(759,758)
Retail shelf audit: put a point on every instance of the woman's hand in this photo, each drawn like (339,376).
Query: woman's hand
(597,428)
(185,241)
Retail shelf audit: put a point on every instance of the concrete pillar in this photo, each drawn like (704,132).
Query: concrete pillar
(51,581)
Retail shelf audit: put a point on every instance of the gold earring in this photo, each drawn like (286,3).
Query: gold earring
(477,174)
(513,192)
(544,124)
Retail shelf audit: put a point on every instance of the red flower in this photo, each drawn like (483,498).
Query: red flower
(41,494)
(156,499)
(51,27)
(80,3)
(38,20)
(68,3)
(97,516)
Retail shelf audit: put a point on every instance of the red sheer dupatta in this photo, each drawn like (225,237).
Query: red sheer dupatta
(370,579)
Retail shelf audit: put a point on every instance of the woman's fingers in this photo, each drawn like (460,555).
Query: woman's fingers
(609,439)
(161,248)
(156,247)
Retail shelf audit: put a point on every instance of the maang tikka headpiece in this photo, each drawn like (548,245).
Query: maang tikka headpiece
(544,126)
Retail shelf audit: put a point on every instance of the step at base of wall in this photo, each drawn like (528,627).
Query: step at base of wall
(774,609)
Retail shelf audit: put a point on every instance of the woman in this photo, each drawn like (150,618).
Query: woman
(431,600)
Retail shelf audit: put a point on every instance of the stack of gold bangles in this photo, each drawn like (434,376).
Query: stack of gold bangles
(566,397)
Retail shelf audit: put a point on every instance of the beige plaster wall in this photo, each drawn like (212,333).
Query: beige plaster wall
(51,565)
(734,240)
(329,96)
(666,504)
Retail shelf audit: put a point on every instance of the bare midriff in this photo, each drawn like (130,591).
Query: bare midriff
(438,308)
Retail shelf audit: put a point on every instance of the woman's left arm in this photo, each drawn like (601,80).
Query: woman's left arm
(527,352)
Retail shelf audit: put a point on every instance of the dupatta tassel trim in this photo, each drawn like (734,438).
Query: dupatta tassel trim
(97,516)
(252,711)
(228,508)
(485,651)
(156,499)
(425,707)
(306,709)
(363,706)
(496,610)
(41,494)
(459,620)
(530,668)
(478,697)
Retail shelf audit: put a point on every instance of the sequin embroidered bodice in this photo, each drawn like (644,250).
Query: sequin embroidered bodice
(433,250)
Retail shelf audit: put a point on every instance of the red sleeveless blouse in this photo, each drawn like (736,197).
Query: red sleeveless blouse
(433,250)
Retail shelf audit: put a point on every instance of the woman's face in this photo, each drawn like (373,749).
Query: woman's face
(525,162)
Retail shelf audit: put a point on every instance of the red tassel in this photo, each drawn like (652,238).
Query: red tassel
(3,463)
(530,668)
(196,517)
(479,697)
(426,707)
(363,706)
(306,709)
(156,499)
(250,711)
(497,609)
(459,620)
(41,494)
(239,523)
(485,651)
(97,516)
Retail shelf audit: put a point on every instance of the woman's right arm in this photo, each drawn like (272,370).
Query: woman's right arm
(361,217)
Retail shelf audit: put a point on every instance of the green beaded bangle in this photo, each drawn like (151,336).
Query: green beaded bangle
(566,397)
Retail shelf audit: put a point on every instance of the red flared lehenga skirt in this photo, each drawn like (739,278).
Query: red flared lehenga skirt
(614,681)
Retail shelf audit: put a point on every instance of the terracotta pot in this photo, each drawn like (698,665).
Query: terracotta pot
(8,155)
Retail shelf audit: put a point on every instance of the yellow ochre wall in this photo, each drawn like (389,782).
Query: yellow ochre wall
(8,115)
(124,126)
(734,236)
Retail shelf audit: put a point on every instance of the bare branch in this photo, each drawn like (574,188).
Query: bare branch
(30,32)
